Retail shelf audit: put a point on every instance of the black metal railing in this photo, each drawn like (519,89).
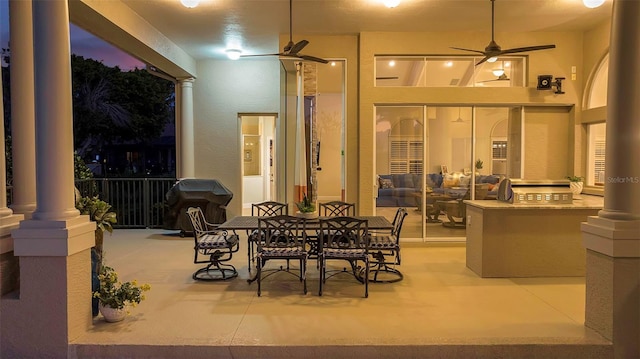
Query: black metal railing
(138,202)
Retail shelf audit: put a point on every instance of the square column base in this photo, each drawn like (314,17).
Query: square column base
(612,281)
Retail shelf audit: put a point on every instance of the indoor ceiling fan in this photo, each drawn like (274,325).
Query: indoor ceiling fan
(502,77)
(493,49)
(293,49)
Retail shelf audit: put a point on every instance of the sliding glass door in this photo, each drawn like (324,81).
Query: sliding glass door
(429,159)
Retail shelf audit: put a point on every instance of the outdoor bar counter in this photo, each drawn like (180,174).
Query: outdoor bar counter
(518,240)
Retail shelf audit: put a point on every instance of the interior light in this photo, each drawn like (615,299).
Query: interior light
(233,54)
(190,3)
(591,4)
(333,63)
(448,64)
(498,72)
(391,3)
(392,63)
(492,59)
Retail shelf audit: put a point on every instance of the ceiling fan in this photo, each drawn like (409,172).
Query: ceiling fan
(459,119)
(500,73)
(293,49)
(493,49)
(502,77)
(387,78)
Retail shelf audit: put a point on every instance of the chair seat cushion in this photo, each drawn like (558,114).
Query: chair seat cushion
(383,242)
(343,253)
(212,241)
(282,252)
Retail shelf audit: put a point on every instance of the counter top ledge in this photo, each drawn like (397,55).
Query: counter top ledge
(581,202)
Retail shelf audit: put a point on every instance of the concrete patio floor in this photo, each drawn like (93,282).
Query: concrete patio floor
(440,310)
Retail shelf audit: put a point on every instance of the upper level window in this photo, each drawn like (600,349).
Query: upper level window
(449,71)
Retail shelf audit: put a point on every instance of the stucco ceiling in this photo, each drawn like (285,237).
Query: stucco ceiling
(255,25)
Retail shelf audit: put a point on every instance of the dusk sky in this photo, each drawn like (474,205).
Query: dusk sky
(82,43)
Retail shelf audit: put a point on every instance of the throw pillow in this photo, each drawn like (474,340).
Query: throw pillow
(386,183)
(450,181)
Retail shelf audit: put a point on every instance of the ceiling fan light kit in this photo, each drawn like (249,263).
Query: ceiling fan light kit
(233,54)
(493,50)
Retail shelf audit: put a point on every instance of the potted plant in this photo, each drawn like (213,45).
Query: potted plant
(575,184)
(479,165)
(100,212)
(114,296)
(306,208)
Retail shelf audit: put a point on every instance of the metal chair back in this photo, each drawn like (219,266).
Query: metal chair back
(337,209)
(269,209)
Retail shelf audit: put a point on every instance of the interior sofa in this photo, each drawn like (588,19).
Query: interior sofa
(404,190)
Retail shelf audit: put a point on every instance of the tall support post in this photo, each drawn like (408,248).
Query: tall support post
(612,238)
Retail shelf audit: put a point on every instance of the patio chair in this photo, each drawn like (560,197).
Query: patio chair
(344,238)
(214,245)
(385,250)
(284,238)
(337,208)
(262,209)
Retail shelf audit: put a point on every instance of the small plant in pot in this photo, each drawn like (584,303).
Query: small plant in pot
(100,212)
(114,296)
(575,184)
(306,208)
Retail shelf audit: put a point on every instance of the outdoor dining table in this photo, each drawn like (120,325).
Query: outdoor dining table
(250,223)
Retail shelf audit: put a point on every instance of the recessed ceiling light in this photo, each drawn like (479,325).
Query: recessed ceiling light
(233,54)
(190,3)
(591,4)
(391,3)
(392,63)
(333,63)
(448,64)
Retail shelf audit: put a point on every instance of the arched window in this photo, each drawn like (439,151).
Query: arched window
(597,96)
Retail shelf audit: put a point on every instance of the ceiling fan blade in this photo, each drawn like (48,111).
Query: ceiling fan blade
(528,48)
(260,55)
(484,60)
(476,51)
(387,78)
(298,46)
(312,58)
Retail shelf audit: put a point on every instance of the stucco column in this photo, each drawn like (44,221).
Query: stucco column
(612,238)
(186,156)
(54,245)
(22,108)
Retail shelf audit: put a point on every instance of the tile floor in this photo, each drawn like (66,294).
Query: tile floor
(441,309)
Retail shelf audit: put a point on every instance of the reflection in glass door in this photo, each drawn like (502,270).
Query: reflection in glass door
(400,165)
(460,154)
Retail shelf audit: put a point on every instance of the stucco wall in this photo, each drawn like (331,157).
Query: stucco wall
(222,91)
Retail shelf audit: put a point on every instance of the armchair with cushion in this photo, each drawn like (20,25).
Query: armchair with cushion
(216,246)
